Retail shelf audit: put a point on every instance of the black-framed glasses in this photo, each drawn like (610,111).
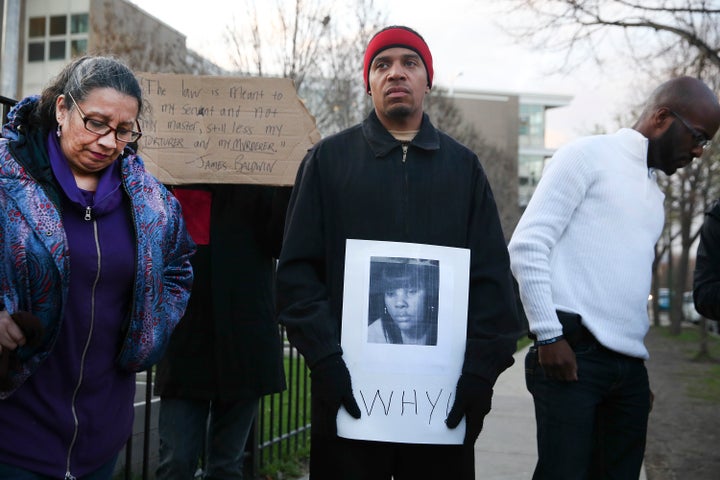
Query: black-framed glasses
(101,128)
(701,140)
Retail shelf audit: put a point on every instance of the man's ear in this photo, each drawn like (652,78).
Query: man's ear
(659,121)
(662,118)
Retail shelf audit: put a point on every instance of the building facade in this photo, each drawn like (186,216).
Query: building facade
(513,123)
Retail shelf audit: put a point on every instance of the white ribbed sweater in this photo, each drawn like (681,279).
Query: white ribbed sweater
(585,243)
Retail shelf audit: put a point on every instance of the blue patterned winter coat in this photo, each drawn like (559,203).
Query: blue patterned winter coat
(34,257)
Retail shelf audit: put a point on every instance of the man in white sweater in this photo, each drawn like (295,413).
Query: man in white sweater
(582,255)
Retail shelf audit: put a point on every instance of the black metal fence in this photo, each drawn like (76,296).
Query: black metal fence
(281,431)
(6,103)
(283,424)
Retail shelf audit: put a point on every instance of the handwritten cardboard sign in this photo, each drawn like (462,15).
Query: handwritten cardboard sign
(405,387)
(210,129)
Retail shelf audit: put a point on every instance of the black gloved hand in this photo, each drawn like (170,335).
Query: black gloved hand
(331,387)
(473,398)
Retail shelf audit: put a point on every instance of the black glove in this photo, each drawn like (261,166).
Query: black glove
(331,387)
(473,398)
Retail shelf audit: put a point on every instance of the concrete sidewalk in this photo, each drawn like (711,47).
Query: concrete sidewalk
(506,449)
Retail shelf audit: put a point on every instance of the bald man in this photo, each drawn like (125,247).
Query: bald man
(582,254)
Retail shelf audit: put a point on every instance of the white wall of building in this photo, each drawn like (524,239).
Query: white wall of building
(38,74)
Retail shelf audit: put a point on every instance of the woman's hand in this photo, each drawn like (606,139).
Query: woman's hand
(11,336)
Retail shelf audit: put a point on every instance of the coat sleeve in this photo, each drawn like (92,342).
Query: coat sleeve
(178,274)
(302,292)
(493,327)
(706,278)
(164,282)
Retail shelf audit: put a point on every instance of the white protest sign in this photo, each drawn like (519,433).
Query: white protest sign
(403,337)
(211,129)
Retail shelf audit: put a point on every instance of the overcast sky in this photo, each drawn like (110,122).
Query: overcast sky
(469,51)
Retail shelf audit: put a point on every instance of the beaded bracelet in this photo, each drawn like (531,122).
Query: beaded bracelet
(548,341)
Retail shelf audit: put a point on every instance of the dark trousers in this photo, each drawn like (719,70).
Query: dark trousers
(594,428)
(342,459)
(183,426)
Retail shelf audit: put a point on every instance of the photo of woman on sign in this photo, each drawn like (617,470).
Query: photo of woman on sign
(403,301)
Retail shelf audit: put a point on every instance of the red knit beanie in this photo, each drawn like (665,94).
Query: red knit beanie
(397,37)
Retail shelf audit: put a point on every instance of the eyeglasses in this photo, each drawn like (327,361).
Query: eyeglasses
(701,140)
(101,128)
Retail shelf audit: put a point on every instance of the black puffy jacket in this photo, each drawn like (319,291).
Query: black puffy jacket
(706,279)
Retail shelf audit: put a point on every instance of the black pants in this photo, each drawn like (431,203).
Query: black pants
(594,428)
(342,459)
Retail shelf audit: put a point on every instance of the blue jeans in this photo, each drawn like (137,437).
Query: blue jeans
(183,426)
(594,428)
(13,473)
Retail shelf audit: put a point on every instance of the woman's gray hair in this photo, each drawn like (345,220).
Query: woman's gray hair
(80,77)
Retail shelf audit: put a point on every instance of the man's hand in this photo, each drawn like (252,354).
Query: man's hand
(331,388)
(652,400)
(558,361)
(473,399)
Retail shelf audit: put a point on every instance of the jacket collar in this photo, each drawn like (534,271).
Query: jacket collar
(382,142)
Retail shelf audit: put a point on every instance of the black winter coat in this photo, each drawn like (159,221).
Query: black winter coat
(227,346)
(706,281)
(360,184)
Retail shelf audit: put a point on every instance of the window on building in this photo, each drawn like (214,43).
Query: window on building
(78,34)
(57,50)
(532,126)
(36,51)
(79,23)
(36,31)
(58,25)
(37,27)
(78,48)
(530,168)
(49,37)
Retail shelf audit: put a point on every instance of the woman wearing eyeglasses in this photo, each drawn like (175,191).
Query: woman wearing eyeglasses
(94,273)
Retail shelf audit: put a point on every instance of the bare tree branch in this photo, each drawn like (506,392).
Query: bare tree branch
(700,10)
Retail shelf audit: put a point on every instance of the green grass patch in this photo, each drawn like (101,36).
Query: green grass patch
(282,415)
(707,385)
(702,375)
(291,467)
(691,337)
(522,342)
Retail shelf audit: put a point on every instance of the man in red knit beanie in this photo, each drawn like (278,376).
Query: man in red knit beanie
(394,178)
